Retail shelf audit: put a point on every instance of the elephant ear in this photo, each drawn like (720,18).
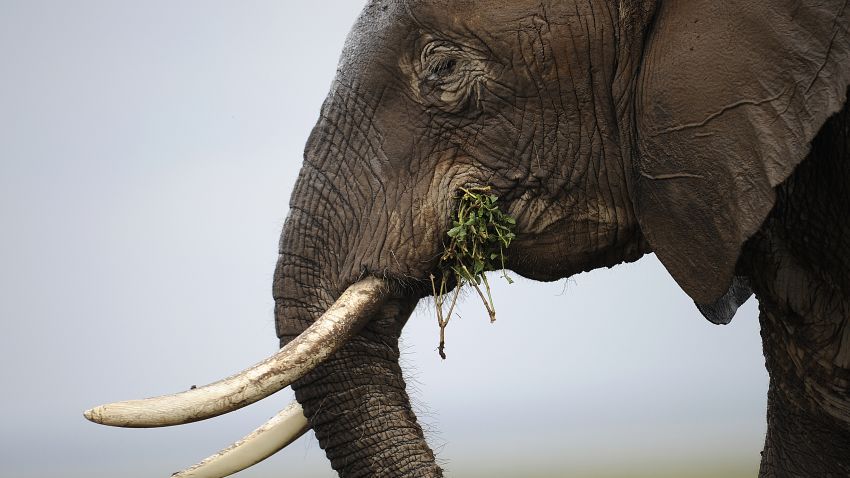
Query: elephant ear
(723,310)
(729,97)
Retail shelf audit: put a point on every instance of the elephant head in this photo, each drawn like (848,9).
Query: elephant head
(607,129)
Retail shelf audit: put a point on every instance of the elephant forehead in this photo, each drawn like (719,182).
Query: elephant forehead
(382,26)
(387,26)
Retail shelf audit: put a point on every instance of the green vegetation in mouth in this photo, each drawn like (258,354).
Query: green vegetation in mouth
(478,238)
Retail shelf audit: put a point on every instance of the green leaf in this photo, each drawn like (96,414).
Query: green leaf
(479,235)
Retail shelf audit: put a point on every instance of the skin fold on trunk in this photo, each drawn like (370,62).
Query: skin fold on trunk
(804,299)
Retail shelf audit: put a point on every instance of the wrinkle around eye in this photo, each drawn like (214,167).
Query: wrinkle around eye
(449,78)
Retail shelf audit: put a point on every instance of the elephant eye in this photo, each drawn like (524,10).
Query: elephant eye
(441,69)
(449,77)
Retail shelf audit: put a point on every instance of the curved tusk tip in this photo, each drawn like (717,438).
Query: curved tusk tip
(94,415)
(281,430)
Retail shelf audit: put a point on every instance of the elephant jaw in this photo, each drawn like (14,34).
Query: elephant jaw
(344,319)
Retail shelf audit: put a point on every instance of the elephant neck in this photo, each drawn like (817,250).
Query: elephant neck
(801,441)
(799,267)
(805,329)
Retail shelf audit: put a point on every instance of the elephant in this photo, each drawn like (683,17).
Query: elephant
(715,135)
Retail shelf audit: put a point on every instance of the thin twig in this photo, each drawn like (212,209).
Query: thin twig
(492,308)
(479,235)
(442,347)
(487,305)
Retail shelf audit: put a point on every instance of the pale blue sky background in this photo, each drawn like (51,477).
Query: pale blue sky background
(147,153)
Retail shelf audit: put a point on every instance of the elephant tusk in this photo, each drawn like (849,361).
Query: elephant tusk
(324,337)
(273,436)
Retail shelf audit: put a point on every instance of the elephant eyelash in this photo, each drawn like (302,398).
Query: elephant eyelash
(441,69)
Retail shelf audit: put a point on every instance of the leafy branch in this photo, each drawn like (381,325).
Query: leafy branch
(478,238)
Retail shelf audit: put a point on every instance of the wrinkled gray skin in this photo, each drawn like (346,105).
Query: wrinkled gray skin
(609,129)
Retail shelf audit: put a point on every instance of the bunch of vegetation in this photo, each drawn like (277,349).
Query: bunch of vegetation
(478,238)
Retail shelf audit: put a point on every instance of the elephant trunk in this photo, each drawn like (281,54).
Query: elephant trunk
(356,401)
(358,406)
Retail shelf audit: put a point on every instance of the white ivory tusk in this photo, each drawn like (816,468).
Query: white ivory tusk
(283,429)
(324,337)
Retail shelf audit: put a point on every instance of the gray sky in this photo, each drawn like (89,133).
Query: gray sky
(147,153)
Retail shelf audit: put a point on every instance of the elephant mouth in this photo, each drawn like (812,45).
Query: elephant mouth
(343,320)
